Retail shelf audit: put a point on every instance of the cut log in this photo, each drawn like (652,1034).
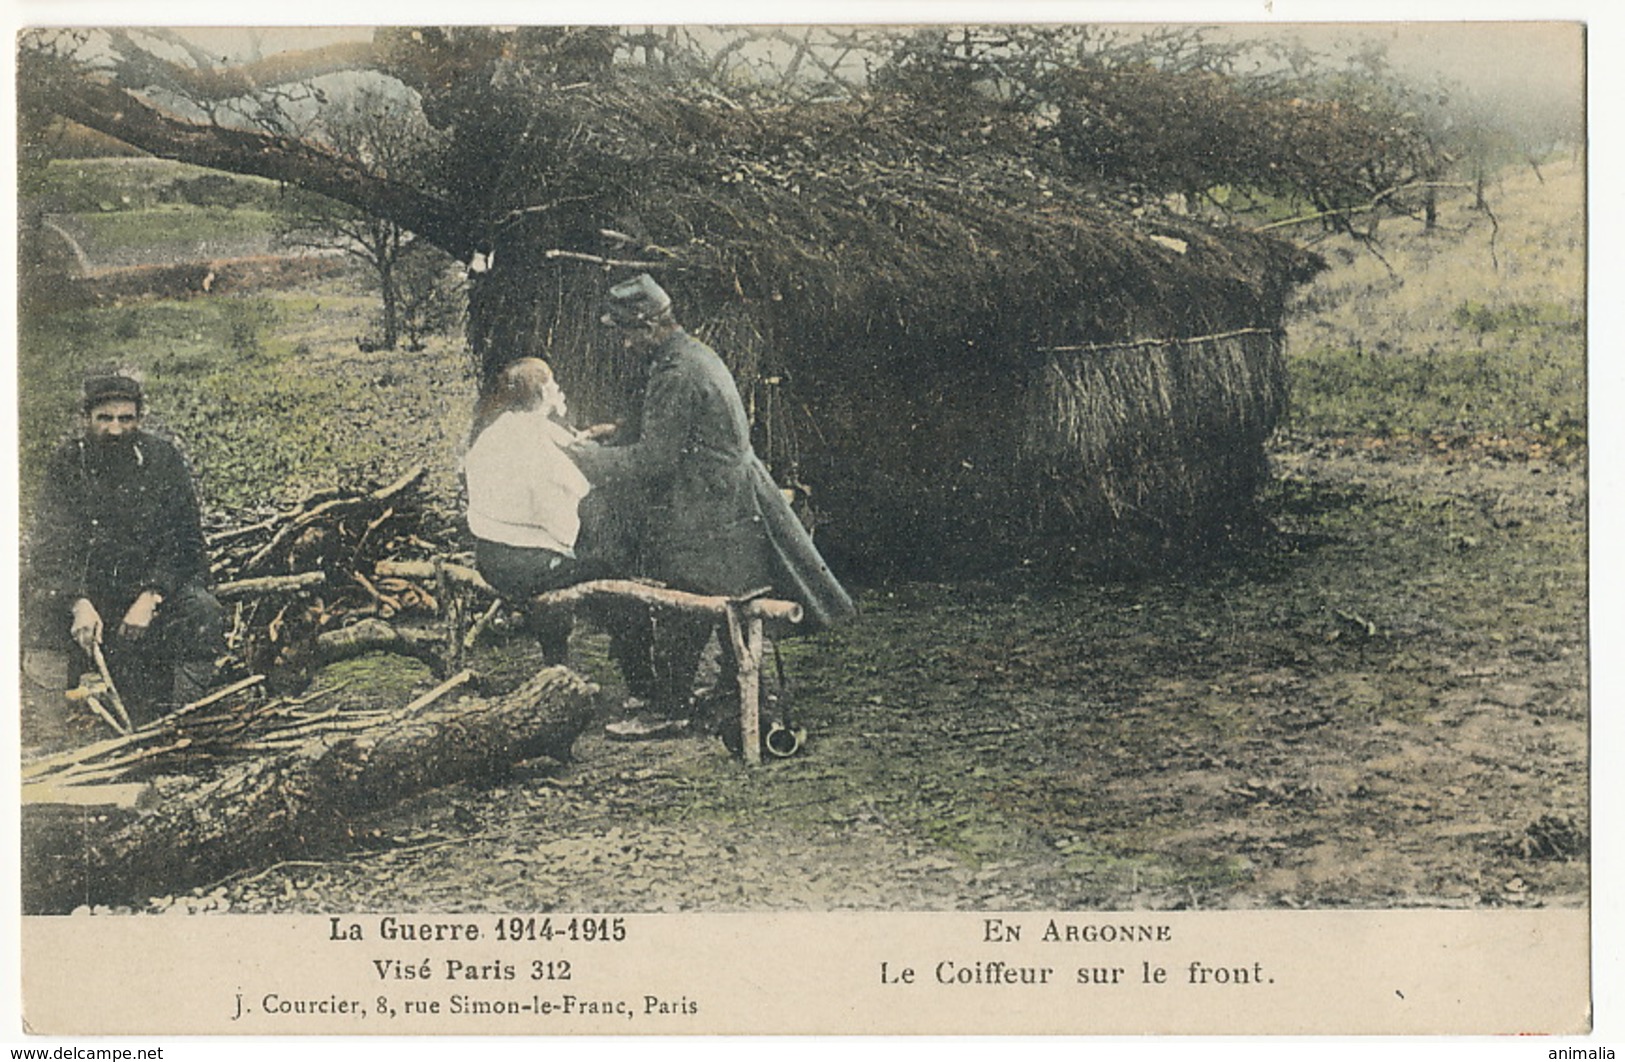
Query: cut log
(457,573)
(374,636)
(115,795)
(312,799)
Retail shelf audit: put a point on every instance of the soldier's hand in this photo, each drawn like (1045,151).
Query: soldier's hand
(139,617)
(598,431)
(87,625)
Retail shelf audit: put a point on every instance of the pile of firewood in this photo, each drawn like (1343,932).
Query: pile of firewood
(266,764)
(342,572)
(240,779)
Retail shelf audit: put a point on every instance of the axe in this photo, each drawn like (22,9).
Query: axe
(112,690)
(89,690)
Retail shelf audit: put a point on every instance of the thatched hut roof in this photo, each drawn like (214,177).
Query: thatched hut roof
(889,220)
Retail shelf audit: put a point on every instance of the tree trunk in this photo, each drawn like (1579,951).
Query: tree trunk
(311,801)
(506,318)
(386,280)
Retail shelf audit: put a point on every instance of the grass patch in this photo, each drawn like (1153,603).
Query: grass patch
(178,231)
(374,680)
(91,186)
(220,374)
(1483,319)
(1518,382)
(1475,327)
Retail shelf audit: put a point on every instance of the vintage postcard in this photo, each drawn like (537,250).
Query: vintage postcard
(936,528)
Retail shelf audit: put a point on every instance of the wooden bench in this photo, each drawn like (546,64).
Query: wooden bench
(738,620)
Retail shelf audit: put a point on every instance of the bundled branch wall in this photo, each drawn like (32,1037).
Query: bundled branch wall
(1155,442)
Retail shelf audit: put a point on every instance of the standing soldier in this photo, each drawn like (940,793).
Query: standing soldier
(712,519)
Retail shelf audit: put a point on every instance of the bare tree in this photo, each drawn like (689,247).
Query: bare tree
(385,132)
(431,293)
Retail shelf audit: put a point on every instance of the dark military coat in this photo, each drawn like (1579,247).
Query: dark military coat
(713,521)
(111,522)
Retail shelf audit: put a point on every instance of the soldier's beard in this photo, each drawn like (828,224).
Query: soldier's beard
(113,443)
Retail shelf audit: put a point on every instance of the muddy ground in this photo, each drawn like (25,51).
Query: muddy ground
(1381,704)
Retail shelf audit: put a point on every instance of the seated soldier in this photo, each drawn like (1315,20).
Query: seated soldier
(115,561)
(524,496)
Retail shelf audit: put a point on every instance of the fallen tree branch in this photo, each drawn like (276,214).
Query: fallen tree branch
(577,256)
(102,713)
(457,573)
(478,627)
(387,604)
(203,702)
(373,635)
(108,770)
(1377,202)
(461,678)
(232,534)
(269,584)
(72,759)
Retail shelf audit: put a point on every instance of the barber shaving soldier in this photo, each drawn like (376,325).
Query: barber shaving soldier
(712,521)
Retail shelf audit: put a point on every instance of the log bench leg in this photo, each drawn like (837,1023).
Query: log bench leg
(744,617)
(451,604)
(745,637)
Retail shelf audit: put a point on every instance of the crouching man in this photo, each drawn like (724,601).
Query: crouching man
(115,560)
